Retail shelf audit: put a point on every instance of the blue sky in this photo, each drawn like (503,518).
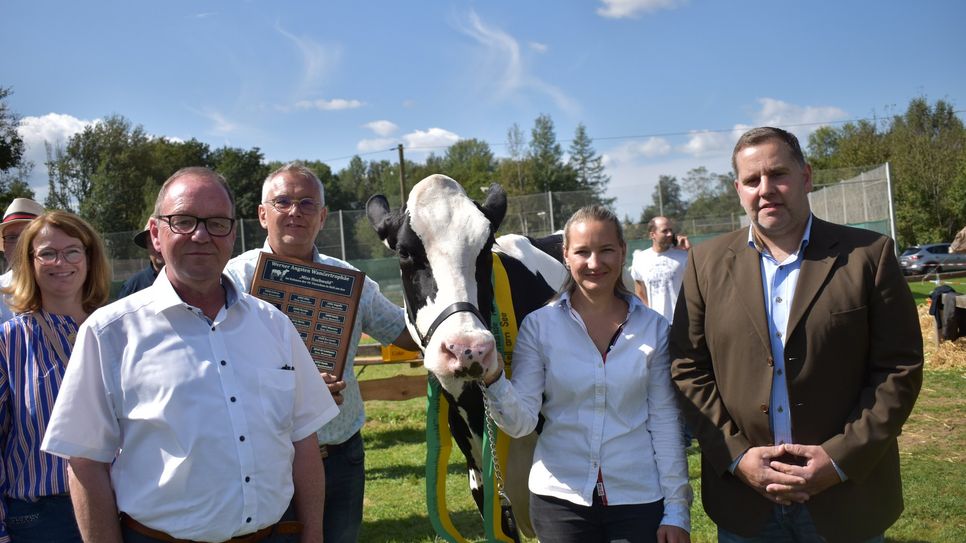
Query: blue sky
(661,85)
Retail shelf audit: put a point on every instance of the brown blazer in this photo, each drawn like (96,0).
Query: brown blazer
(853,358)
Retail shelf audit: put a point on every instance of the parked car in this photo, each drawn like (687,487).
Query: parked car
(929,258)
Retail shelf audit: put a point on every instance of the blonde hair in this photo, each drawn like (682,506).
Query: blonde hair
(599,213)
(24,293)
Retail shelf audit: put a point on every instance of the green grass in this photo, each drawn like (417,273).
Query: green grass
(921,289)
(933,456)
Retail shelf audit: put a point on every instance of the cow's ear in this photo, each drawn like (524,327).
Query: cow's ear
(494,207)
(385,223)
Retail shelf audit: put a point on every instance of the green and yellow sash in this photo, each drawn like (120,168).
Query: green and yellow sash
(439,441)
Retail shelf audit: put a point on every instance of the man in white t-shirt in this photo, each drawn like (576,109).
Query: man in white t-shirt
(659,270)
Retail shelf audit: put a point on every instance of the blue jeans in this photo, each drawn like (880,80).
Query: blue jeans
(345,486)
(789,523)
(48,520)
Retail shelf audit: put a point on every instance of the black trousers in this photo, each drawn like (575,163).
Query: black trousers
(559,521)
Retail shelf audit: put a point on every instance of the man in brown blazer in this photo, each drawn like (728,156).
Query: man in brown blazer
(796,349)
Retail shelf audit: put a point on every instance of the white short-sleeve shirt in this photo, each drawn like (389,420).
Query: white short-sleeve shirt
(198,416)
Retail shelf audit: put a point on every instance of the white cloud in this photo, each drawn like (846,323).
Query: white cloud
(382,127)
(539,47)
(375,144)
(619,9)
(432,138)
(702,143)
(329,105)
(53,128)
(505,68)
(317,61)
(651,147)
(800,120)
(220,124)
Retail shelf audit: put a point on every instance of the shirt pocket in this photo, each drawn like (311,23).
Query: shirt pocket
(277,397)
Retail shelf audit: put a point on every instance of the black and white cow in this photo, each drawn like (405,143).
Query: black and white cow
(444,242)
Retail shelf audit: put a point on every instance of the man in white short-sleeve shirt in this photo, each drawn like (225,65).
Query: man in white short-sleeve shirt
(190,408)
(659,270)
(293,212)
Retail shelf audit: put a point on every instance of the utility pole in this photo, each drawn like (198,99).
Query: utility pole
(402,177)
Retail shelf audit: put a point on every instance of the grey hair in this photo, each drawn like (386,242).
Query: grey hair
(296,169)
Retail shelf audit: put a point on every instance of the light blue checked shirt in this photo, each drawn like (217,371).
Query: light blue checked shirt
(376,316)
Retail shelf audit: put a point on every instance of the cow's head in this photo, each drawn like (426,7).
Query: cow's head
(443,240)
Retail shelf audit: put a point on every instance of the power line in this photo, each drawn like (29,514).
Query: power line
(633,136)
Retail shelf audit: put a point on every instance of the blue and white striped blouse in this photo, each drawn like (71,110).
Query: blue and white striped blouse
(30,375)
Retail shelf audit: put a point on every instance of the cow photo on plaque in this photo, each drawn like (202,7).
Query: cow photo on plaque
(320,300)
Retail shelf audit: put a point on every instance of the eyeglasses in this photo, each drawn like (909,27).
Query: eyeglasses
(218,227)
(12,238)
(72,255)
(283,204)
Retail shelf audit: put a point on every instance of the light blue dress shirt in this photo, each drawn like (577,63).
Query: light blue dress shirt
(778,280)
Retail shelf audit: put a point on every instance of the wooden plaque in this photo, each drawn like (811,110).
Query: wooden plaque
(320,300)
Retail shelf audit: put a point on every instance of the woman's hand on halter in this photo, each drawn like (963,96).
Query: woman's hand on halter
(492,374)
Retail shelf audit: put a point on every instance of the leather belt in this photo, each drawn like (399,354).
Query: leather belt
(282,528)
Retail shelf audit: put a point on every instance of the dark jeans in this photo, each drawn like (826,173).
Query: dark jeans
(49,520)
(345,486)
(788,524)
(559,521)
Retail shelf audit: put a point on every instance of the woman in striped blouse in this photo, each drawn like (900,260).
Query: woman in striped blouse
(62,275)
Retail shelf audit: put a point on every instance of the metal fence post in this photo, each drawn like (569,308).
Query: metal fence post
(342,231)
(550,203)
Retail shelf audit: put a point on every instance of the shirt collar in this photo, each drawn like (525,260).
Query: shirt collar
(316,257)
(563,301)
(754,243)
(166,297)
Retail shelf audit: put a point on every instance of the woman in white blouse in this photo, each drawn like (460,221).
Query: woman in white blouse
(609,464)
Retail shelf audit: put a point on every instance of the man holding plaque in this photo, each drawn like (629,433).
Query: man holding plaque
(190,407)
(293,212)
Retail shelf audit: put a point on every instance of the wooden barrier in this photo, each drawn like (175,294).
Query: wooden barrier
(395,388)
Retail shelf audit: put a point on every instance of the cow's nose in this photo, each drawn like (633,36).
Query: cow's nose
(470,356)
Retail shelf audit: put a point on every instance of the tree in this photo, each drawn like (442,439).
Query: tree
(712,194)
(588,165)
(510,171)
(667,200)
(14,170)
(546,168)
(101,174)
(245,174)
(926,147)
(11,144)
(928,155)
(471,163)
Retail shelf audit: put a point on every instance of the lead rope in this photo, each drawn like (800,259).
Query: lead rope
(491,438)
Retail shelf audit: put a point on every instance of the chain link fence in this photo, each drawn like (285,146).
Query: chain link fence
(348,235)
(858,197)
(855,196)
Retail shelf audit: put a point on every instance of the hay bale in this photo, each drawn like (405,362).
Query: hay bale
(946,355)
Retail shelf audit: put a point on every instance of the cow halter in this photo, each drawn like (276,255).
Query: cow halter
(457,307)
